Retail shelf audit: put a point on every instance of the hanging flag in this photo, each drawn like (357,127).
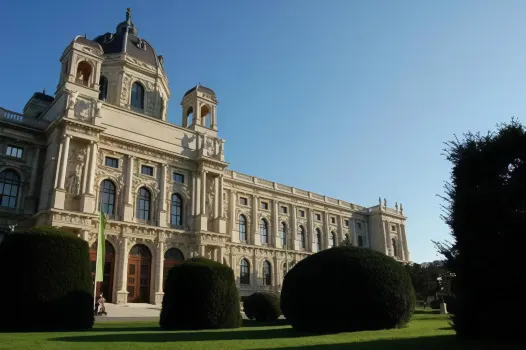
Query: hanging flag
(101,246)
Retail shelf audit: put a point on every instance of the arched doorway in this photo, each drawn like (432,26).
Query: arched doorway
(172,257)
(139,274)
(106,286)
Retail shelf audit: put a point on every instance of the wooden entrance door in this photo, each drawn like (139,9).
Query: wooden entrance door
(172,257)
(106,286)
(139,274)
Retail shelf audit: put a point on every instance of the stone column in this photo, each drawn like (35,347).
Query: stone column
(404,238)
(232,216)
(220,196)
(276,240)
(59,159)
(220,254)
(85,235)
(217,198)
(255,222)
(128,199)
(294,229)
(202,250)
(163,220)
(93,167)
(194,196)
(387,241)
(327,234)
(160,272)
(85,173)
(64,162)
(203,192)
(122,294)
(34,170)
(340,229)
(310,232)
(197,197)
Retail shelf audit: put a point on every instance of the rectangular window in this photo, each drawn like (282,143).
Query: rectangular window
(146,170)
(346,223)
(302,213)
(393,228)
(333,219)
(359,224)
(264,205)
(13,151)
(318,217)
(284,210)
(243,201)
(111,162)
(178,177)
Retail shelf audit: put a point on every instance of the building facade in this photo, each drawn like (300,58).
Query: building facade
(103,142)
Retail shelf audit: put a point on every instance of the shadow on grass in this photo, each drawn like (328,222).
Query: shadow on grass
(439,342)
(253,323)
(161,336)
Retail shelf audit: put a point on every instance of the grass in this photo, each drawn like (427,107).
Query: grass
(427,330)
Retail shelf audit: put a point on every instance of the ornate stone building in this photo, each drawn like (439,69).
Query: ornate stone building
(167,190)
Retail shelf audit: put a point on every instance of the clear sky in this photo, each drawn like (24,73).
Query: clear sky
(351,99)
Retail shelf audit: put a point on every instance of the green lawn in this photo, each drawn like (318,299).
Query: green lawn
(427,331)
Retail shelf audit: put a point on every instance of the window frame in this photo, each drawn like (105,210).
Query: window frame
(175,176)
(241,199)
(144,166)
(264,205)
(148,210)
(106,158)
(178,216)
(263,228)
(133,96)
(244,272)
(107,192)
(284,210)
(242,223)
(17,149)
(267,273)
(10,183)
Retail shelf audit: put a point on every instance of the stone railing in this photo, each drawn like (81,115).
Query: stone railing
(20,119)
(292,190)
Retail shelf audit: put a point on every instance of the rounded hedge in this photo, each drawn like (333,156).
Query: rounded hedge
(346,289)
(200,294)
(47,281)
(262,306)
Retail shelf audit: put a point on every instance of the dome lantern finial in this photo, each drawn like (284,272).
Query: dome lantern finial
(128,15)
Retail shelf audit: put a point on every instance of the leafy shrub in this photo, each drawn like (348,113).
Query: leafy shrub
(347,289)
(50,274)
(200,294)
(262,306)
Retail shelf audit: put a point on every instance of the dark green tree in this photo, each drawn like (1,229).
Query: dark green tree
(486,211)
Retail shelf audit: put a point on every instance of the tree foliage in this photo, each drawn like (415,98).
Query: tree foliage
(486,211)
(424,277)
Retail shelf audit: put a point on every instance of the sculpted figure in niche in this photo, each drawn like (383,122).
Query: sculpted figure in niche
(73,183)
(72,99)
(98,107)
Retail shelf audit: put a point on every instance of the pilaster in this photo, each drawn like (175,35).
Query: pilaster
(122,293)
(159,293)
(163,219)
(276,240)
(255,239)
(128,205)
(88,198)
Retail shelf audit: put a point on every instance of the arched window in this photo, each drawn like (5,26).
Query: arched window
(107,194)
(83,73)
(103,88)
(395,248)
(283,234)
(9,185)
(190,116)
(242,228)
(137,96)
(360,241)
(177,210)
(333,240)
(206,116)
(267,275)
(244,275)
(143,204)
(301,237)
(318,239)
(263,231)
(285,270)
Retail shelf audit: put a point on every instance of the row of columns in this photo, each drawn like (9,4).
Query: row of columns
(88,175)
(199,181)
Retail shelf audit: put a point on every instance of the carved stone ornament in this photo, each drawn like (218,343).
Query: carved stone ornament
(72,99)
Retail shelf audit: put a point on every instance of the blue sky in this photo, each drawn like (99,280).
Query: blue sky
(351,99)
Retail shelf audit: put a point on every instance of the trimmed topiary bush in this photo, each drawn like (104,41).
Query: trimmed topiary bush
(346,289)
(47,283)
(262,306)
(200,294)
